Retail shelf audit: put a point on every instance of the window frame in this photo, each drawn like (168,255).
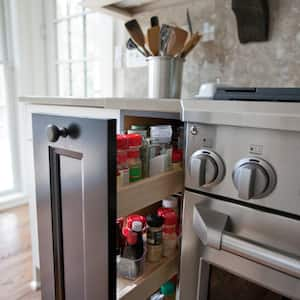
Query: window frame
(52,53)
(11,103)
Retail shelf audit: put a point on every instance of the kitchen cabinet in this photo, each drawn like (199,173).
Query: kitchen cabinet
(127,9)
(75,167)
(78,202)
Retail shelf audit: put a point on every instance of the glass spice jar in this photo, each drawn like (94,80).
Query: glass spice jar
(169,231)
(154,238)
(134,157)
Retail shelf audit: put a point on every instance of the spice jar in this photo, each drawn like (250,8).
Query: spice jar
(177,156)
(154,238)
(134,158)
(168,290)
(161,137)
(169,231)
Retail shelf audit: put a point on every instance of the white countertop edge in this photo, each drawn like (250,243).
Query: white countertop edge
(268,115)
(138,104)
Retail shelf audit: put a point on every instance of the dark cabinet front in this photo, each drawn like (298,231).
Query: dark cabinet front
(75,172)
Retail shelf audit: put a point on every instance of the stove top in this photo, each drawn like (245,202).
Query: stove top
(257,94)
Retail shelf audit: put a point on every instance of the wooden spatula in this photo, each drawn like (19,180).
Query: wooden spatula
(191,44)
(153,39)
(177,41)
(137,34)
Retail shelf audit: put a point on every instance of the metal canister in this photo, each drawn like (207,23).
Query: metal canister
(164,76)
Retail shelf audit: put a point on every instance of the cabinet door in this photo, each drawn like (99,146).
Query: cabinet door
(75,169)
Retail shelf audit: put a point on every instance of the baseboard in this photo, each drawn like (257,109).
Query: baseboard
(13,200)
(35,285)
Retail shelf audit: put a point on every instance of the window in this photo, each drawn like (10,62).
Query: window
(83,52)
(9,178)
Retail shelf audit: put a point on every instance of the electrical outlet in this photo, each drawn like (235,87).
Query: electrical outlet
(208,31)
(135,59)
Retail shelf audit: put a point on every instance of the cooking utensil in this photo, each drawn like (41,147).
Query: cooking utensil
(191,44)
(154,21)
(164,38)
(189,21)
(153,40)
(131,45)
(177,41)
(137,34)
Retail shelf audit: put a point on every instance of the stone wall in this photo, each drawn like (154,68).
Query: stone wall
(267,64)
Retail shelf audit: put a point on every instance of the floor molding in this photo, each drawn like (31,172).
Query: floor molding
(12,201)
(35,285)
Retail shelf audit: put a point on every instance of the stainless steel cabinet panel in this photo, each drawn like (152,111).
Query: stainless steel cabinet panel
(76,203)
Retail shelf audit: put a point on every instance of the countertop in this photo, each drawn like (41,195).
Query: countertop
(138,104)
(258,114)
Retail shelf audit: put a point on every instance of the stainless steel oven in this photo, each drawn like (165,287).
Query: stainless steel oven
(241,218)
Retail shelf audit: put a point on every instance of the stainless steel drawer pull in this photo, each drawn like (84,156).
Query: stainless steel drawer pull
(210,228)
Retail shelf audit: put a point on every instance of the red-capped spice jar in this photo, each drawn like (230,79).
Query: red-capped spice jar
(122,160)
(134,157)
(169,230)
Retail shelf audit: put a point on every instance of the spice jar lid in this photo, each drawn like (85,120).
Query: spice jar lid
(155,220)
(137,226)
(122,141)
(132,218)
(163,210)
(170,203)
(129,220)
(138,127)
(134,140)
(168,288)
(133,154)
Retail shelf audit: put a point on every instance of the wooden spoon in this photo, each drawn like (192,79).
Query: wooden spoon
(177,41)
(153,40)
(191,44)
(137,34)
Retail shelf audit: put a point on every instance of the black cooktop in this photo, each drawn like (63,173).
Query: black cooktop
(258,94)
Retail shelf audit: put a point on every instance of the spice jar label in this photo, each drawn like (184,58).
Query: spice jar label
(135,173)
(154,237)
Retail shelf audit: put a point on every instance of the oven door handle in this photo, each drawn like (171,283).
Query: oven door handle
(210,225)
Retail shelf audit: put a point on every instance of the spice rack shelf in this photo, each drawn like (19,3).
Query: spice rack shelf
(148,191)
(127,9)
(154,276)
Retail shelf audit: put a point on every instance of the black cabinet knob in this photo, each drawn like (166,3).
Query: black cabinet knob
(54,133)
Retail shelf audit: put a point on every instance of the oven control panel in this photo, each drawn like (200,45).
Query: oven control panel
(245,164)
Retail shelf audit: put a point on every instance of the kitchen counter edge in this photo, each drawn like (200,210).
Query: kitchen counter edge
(138,104)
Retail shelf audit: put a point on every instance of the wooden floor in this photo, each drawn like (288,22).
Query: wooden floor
(15,255)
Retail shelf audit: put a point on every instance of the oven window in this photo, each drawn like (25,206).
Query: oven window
(226,286)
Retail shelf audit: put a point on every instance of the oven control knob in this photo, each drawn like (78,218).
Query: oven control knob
(206,168)
(254,178)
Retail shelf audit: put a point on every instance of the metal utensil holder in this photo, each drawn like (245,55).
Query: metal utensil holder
(165,76)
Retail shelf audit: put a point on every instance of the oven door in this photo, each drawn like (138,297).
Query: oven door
(237,250)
